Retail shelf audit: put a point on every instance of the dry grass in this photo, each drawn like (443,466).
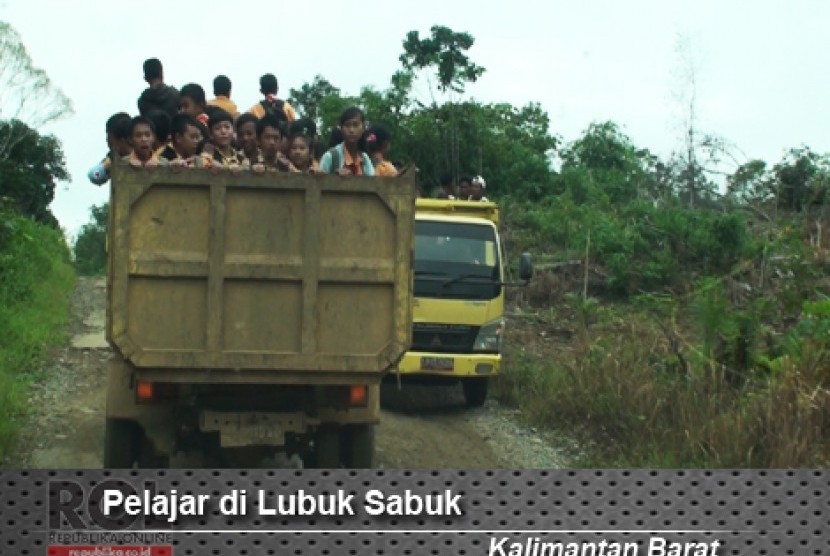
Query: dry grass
(622,379)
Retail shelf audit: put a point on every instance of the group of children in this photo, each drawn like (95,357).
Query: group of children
(182,128)
(269,143)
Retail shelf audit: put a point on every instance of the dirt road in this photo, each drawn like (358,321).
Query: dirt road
(428,427)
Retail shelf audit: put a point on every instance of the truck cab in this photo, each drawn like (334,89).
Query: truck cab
(458,306)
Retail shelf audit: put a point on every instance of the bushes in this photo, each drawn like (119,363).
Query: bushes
(90,247)
(656,394)
(35,280)
(641,247)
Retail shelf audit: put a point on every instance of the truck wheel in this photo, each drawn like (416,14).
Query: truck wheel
(122,444)
(326,448)
(358,446)
(475,391)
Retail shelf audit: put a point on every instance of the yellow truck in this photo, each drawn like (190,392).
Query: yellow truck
(253,314)
(459,296)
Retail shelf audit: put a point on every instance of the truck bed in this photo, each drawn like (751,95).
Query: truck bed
(215,275)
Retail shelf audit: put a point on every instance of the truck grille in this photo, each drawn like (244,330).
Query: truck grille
(443,338)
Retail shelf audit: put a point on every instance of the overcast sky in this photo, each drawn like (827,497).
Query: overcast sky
(761,66)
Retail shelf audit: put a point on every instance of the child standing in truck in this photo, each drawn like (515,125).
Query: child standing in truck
(270,132)
(246,138)
(184,146)
(301,145)
(349,158)
(220,127)
(118,141)
(378,143)
(192,101)
(143,139)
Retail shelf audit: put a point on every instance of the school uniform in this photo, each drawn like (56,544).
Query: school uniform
(384,168)
(278,164)
(258,110)
(338,157)
(225,103)
(170,154)
(234,159)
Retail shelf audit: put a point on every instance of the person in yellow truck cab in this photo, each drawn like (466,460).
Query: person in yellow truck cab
(477,187)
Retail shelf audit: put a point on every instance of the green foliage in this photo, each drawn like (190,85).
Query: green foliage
(35,280)
(90,247)
(444,52)
(801,178)
(29,169)
(309,96)
(641,247)
(808,343)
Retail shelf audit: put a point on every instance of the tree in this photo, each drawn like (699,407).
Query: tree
(610,161)
(800,179)
(310,95)
(90,247)
(750,183)
(29,169)
(28,94)
(445,54)
(703,155)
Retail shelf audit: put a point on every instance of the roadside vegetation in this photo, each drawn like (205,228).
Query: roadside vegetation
(676,333)
(36,278)
(36,272)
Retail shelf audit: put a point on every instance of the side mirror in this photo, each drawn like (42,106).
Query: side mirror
(525,267)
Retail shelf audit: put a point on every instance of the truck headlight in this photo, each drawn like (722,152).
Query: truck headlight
(489,337)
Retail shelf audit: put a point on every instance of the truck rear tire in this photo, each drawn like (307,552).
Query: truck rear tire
(475,391)
(358,446)
(122,444)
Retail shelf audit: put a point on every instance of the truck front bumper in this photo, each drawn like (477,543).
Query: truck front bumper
(449,364)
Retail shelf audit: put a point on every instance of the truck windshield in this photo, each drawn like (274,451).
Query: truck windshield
(457,261)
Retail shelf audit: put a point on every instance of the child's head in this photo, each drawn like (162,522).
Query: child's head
(378,139)
(152,70)
(118,134)
(300,144)
(246,138)
(192,99)
(142,137)
(221,128)
(186,135)
(477,187)
(445,181)
(353,124)
(221,86)
(465,186)
(268,84)
(161,125)
(269,132)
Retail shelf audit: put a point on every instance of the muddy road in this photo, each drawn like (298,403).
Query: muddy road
(420,427)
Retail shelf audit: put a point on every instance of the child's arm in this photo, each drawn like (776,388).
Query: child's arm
(100,173)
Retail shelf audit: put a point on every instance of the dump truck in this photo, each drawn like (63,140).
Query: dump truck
(252,315)
(459,281)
